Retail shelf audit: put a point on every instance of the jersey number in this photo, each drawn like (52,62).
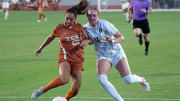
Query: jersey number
(96,39)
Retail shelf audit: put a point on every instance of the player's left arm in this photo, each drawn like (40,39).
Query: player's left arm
(112,33)
(117,38)
(130,13)
(149,8)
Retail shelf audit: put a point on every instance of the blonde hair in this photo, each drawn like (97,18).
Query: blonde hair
(93,8)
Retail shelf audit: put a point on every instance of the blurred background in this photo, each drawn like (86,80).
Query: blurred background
(103,4)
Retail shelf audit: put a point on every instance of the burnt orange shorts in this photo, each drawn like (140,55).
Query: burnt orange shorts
(73,65)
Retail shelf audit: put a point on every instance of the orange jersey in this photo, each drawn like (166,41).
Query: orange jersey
(40,3)
(70,42)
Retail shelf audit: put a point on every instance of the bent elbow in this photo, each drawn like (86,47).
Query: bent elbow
(122,38)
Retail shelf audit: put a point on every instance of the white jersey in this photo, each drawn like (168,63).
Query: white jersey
(125,5)
(5,0)
(5,4)
(103,48)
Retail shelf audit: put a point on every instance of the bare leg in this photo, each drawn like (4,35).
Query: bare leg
(137,33)
(64,72)
(123,67)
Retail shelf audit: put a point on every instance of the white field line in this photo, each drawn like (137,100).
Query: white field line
(96,98)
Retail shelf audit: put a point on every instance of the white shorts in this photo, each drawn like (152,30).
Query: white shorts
(5,5)
(113,57)
(125,5)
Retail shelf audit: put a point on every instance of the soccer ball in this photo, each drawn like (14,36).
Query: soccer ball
(58,98)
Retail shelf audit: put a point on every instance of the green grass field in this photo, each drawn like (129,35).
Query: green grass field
(21,72)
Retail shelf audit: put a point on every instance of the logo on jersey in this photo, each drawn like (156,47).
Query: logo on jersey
(100,30)
(75,39)
(96,39)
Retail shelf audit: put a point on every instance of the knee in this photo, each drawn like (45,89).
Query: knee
(128,79)
(102,78)
(64,80)
(137,31)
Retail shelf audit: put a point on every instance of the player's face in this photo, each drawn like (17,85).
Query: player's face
(69,19)
(93,17)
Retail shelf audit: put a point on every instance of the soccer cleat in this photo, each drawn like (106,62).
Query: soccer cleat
(37,93)
(38,20)
(146,53)
(145,84)
(140,39)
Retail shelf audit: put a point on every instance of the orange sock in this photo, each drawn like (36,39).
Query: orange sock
(52,84)
(40,16)
(70,94)
(43,15)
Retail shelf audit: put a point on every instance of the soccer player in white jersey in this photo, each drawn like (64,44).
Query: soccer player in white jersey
(107,39)
(5,7)
(125,5)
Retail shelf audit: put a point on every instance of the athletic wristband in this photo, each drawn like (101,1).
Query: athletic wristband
(113,41)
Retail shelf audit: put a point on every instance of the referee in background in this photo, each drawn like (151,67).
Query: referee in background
(138,11)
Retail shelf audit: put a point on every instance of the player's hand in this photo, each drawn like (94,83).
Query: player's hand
(143,10)
(74,49)
(129,20)
(108,38)
(84,43)
(38,51)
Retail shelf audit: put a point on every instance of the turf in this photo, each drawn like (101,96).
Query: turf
(21,71)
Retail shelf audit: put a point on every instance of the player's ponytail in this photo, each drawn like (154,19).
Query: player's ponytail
(80,8)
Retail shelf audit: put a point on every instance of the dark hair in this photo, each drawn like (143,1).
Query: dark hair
(80,8)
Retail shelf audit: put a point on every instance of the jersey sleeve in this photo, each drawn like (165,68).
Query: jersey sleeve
(54,33)
(110,28)
(149,4)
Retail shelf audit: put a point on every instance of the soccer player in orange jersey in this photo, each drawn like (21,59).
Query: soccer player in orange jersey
(71,57)
(40,10)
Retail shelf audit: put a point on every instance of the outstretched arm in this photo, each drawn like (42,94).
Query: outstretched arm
(48,40)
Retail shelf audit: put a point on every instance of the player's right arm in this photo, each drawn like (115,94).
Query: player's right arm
(86,40)
(48,40)
(130,13)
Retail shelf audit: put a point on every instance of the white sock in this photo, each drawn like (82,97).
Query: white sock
(126,15)
(132,79)
(6,15)
(110,89)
